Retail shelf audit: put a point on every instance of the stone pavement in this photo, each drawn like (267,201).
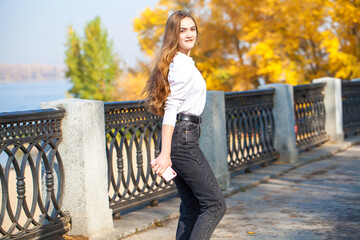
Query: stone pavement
(309,200)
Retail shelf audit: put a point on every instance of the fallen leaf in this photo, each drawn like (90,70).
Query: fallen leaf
(158,224)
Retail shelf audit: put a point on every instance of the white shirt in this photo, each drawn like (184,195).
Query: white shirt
(188,89)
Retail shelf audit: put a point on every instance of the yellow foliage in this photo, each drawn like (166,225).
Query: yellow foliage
(342,42)
(241,41)
(150,27)
(130,85)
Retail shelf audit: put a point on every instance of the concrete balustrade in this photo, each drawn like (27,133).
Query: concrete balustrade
(333,108)
(283,111)
(213,140)
(83,153)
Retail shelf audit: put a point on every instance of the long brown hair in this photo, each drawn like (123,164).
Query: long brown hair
(157,87)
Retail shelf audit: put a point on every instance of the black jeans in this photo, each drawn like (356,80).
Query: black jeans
(202,202)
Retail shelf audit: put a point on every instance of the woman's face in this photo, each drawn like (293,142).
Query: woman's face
(187,36)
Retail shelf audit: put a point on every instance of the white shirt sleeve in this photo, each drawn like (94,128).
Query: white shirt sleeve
(180,75)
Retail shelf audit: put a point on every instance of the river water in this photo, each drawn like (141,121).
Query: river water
(23,96)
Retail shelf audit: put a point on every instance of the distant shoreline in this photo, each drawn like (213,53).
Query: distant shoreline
(30,72)
(33,80)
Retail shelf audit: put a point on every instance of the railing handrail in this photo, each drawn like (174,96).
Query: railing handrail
(254,92)
(30,115)
(309,86)
(351,83)
(349,87)
(124,104)
(250,98)
(132,112)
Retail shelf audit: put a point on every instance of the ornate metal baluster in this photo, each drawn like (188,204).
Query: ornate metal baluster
(350,104)
(139,129)
(249,128)
(309,112)
(23,134)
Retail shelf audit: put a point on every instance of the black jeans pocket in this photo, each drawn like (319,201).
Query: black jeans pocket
(192,133)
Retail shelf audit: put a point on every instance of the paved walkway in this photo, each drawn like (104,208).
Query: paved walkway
(309,200)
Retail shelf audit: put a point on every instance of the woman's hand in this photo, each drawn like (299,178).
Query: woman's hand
(161,163)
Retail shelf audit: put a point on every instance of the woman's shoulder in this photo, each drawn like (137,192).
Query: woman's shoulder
(181,60)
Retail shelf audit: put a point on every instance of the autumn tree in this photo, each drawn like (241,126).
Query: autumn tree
(342,39)
(131,83)
(287,47)
(242,43)
(91,63)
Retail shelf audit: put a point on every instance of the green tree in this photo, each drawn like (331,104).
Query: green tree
(91,63)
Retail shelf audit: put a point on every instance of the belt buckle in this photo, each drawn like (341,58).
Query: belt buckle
(188,117)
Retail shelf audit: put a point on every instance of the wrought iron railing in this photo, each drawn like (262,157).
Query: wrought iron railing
(133,141)
(250,128)
(351,108)
(309,115)
(31,175)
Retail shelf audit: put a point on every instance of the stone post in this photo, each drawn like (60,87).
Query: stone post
(213,136)
(333,108)
(83,153)
(284,120)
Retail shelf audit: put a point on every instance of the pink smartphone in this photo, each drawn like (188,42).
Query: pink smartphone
(168,174)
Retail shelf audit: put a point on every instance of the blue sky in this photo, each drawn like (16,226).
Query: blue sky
(34,31)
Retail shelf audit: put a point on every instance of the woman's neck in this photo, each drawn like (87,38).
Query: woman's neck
(186,52)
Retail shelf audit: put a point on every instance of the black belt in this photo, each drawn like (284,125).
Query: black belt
(188,117)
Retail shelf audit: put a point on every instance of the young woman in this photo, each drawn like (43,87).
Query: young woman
(177,91)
